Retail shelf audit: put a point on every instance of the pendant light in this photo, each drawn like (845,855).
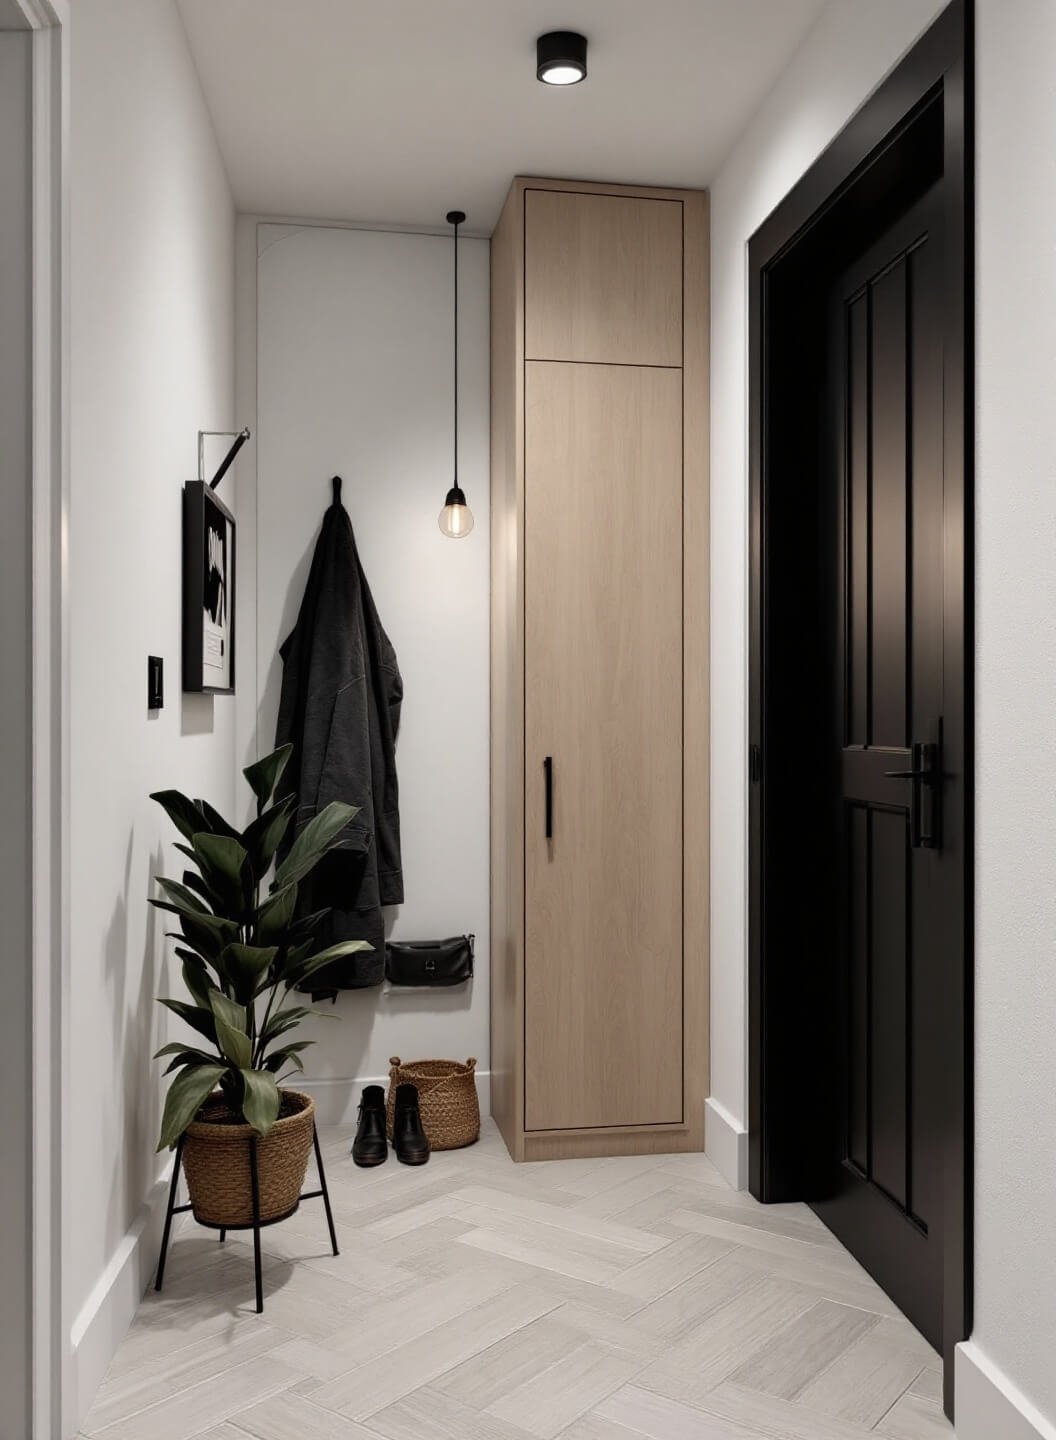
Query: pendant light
(456,518)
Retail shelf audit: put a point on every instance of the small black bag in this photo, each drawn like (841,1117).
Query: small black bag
(429,962)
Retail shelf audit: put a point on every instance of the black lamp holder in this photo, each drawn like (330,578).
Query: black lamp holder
(561,47)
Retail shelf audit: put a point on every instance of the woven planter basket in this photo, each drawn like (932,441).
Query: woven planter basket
(447,1099)
(216,1164)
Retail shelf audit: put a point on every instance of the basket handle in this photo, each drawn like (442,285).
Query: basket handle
(395,1062)
(471,1063)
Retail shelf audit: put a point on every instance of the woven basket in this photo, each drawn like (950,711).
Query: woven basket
(447,1099)
(216,1164)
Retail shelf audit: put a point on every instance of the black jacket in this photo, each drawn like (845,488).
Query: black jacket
(340,706)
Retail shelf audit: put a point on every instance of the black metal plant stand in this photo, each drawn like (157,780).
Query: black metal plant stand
(256,1224)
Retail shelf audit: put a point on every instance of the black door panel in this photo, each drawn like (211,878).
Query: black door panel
(885,426)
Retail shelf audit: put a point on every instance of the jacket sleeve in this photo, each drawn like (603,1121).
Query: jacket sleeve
(337,738)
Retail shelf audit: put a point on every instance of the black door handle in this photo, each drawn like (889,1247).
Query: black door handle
(924,802)
(548,774)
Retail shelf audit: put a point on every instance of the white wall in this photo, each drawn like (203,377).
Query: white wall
(152,303)
(846,55)
(15,592)
(1015,1191)
(353,377)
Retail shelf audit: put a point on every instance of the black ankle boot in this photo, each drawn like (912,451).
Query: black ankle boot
(408,1137)
(370,1146)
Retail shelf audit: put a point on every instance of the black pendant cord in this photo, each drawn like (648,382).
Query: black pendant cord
(456,218)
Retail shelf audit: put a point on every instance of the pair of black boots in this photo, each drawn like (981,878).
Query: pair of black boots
(371,1146)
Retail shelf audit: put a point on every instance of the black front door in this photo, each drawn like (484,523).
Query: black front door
(883,1197)
(860,764)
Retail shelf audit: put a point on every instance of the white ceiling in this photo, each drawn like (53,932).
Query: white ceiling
(395,111)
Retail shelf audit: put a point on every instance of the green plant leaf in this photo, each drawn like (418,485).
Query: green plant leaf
(292,961)
(215,822)
(318,836)
(196,916)
(244,965)
(208,934)
(309,924)
(235,1045)
(170,906)
(189,1057)
(284,1020)
(325,957)
(186,1094)
(227,1010)
(260,1099)
(220,856)
(195,882)
(278,1058)
(263,775)
(183,812)
(265,834)
(182,895)
(231,1033)
(294,1061)
(275,916)
(177,1047)
(225,866)
(197,978)
(196,1017)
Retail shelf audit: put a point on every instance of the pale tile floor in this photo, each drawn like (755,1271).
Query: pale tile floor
(474,1299)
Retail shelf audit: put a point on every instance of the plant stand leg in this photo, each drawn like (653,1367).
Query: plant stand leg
(324,1188)
(254,1180)
(223,1234)
(169,1213)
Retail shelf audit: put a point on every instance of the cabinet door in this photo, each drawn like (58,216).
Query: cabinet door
(602,278)
(603,699)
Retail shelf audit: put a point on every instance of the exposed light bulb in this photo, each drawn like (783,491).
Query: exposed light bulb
(456,518)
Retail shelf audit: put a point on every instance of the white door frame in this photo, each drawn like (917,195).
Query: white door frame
(49,20)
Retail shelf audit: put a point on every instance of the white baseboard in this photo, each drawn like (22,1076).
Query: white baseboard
(108,1311)
(726,1144)
(337,1099)
(989,1406)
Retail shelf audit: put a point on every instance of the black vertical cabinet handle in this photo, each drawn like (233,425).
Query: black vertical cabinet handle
(548,775)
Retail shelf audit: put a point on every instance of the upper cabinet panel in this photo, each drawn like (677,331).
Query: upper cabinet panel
(602,278)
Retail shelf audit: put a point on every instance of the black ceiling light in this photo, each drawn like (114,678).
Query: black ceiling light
(561,58)
(456,518)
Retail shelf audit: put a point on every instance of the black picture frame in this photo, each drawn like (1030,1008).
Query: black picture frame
(209,545)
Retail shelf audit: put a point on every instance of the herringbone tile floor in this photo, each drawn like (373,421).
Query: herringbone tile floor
(474,1299)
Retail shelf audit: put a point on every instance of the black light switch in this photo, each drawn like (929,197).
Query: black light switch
(155,682)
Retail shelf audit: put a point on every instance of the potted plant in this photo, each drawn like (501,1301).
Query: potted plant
(243,948)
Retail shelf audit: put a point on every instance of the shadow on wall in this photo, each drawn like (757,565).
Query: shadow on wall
(135,1032)
(196,713)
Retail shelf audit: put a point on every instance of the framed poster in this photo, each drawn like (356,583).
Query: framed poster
(208,591)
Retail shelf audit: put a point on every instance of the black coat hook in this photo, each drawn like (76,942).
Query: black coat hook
(337,489)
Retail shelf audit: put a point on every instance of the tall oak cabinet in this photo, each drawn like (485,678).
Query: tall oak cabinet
(599,766)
